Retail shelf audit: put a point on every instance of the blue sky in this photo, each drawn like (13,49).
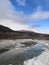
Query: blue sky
(30,5)
(25,15)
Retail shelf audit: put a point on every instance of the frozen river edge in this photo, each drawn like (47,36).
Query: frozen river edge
(17,56)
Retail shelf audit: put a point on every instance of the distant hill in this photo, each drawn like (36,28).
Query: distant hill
(4,29)
(7,33)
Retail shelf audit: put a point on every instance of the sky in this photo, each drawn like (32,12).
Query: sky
(30,15)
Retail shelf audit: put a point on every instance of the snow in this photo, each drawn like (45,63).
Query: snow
(11,43)
(42,59)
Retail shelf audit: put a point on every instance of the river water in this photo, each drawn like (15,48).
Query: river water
(18,56)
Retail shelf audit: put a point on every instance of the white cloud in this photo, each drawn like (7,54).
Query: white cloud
(11,18)
(7,12)
(13,25)
(21,2)
(17,20)
(39,14)
(46,31)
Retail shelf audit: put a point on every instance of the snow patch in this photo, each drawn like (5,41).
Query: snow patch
(42,59)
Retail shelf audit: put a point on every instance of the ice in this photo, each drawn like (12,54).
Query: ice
(33,55)
(42,59)
(13,43)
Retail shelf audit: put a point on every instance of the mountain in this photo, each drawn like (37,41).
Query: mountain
(4,29)
(7,33)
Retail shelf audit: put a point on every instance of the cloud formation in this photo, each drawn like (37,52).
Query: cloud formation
(9,17)
(17,19)
(13,25)
(7,12)
(36,26)
(21,2)
(39,14)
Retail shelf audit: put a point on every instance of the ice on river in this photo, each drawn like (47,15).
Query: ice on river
(42,59)
(18,55)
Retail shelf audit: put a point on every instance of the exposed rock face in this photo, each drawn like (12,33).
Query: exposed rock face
(7,33)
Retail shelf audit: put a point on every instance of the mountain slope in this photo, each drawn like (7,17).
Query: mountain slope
(4,29)
(7,33)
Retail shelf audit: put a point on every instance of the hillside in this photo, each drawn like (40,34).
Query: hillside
(7,33)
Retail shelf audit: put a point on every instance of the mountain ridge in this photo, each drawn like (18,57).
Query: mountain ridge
(7,33)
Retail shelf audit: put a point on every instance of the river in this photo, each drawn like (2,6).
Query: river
(17,56)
